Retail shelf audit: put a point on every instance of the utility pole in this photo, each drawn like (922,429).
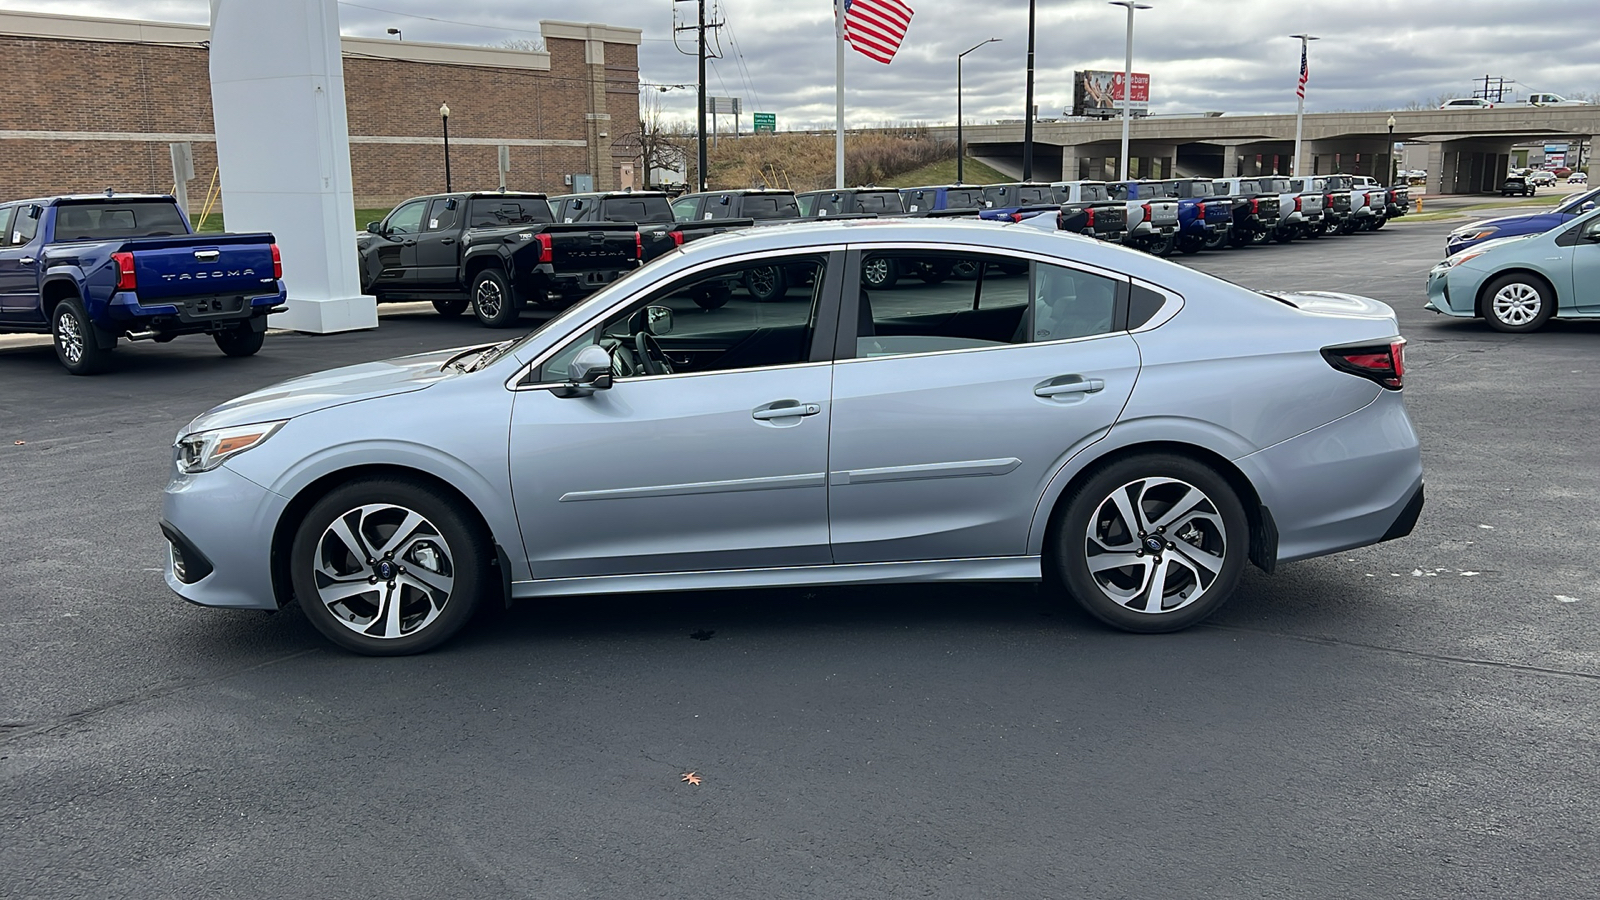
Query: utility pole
(1127,87)
(699,28)
(1027,127)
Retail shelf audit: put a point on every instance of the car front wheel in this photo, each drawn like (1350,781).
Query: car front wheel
(1517,304)
(387,567)
(1152,543)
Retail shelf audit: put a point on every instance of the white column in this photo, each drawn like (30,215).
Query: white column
(283,145)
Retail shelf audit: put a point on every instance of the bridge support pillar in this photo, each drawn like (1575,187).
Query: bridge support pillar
(1230,160)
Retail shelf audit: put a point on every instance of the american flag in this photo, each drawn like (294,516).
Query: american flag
(876,27)
(1304,73)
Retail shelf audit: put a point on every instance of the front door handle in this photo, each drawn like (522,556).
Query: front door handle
(26,260)
(1077,385)
(785,409)
(408,243)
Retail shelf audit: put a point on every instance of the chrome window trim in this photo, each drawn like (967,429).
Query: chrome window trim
(634,379)
(695,269)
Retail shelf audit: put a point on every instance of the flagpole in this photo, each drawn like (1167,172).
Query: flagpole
(1300,110)
(838,94)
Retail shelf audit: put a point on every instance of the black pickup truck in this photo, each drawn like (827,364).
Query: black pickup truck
(498,251)
(851,202)
(648,211)
(1257,207)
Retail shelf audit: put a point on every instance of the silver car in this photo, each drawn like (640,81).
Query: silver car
(1135,430)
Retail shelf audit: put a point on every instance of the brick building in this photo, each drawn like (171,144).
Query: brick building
(92,103)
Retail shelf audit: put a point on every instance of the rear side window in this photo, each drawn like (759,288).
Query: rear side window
(26,225)
(5,224)
(963,199)
(641,210)
(807,204)
(444,214)
(879,202)
(492,211)
(916,201)
(95,221)
(770,206)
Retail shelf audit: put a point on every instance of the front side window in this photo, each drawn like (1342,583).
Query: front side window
(807,202)
(740,316)
(407,219)
(683,210)
(953,301)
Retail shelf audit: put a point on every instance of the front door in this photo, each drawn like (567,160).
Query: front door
(1585,285)
(963,399)
(438,244)
(710,449)
(393,259)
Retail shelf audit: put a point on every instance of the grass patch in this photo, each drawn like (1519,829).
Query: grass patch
(213,223)
(1464,212)
(944,172)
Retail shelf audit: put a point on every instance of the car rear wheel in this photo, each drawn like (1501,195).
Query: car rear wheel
(1162,245)
(1152,543)
(492,300)
(450,308)
(1219,239)
(1517,304)
(879,273)
(766,283)
(74,337)
(240,341)
(388,567)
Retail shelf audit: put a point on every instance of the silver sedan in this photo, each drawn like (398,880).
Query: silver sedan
(744,412)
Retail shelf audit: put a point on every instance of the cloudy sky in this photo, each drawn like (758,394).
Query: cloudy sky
(1229,55)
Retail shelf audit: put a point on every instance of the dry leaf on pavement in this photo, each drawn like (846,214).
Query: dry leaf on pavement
(691,777)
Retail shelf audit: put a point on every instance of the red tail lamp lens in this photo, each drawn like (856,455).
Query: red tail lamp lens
(126,279)
(1382,363)
(277,262)
(546,248)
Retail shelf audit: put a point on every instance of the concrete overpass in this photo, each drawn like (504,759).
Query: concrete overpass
(1468,150)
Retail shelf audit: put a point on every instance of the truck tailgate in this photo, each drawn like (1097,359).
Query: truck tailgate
(203,265)
(1162,212)
(579,247)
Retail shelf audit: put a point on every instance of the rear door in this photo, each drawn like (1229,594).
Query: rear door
(439,243)
(955,403)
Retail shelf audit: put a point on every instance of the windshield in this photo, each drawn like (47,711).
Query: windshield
(98,220)
(608,294)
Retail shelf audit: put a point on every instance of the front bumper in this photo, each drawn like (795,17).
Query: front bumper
(1458,299)
(222,525)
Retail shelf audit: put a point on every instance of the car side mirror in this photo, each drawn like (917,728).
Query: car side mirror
(450,203)
(658,320)
(1588,206)
(589,371)
(375,228)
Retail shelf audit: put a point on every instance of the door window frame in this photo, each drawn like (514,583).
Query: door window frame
(844,350)
(823,333)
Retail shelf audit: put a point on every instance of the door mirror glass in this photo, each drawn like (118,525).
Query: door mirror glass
(658,320)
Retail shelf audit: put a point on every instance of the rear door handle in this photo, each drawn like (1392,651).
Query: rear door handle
(447,241)
(408,243)
(26,260)
(785,409)
(1077,385)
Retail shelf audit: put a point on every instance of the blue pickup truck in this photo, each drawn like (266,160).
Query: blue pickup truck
(91,269)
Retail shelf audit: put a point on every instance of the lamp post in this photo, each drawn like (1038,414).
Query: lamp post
(961,147)
(1027,112)
(1127,85)
(444,119)
(1392,161)
(1300,111)
(397,35)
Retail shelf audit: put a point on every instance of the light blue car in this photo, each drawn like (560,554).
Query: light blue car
(1517,284)
(1133,430)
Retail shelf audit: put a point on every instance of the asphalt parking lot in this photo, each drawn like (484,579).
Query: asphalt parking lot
(1415,719)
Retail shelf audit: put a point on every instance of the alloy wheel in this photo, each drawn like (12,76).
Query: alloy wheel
(1156,545)
(69,337)
(488,298)
(875,271)
(383,571)
(1516,304)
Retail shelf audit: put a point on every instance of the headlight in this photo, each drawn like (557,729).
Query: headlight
(205,450)
(1473,235)
(1462,257)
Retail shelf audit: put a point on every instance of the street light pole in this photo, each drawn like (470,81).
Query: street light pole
(1300,111)
(444,119)
(1027,112)
(1392,161)
(1127,85)
(961,146)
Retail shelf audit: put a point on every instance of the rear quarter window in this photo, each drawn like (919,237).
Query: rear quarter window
(492,212)
(642,210)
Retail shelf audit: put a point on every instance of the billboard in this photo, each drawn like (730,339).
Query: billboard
(1099,94)
(1555,156)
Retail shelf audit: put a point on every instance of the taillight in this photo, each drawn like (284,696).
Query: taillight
(126,280)
(277,262)
(1255,205)
(1383,363)
(1016,217)
(677,238)
(1297,207)
(638,245)
(1147,213)
(1328,199)
(1090,211)
(547,251)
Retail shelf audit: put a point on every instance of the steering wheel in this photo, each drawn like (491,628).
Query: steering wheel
(651,356)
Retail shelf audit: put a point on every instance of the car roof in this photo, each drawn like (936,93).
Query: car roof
(79,198)
(743,192)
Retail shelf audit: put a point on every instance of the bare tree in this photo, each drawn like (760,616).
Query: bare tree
(655,143)
(527,45)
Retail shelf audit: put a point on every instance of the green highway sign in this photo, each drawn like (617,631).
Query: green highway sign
(767,122)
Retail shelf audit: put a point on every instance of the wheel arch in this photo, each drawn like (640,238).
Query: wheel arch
(301,503)
(489,258)
(1263,537)
(57,287)
(1479,306)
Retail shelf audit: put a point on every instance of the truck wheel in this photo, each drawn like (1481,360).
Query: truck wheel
(879,273)
(1311,231)
(74,339)
(1283,235)
(937,272)
(1161,246)
(767,283)
(1379,222)
(1191,244)
(713,297)
(239,341)
(450,308)
(1260,238)
(1218,240)
(492,301)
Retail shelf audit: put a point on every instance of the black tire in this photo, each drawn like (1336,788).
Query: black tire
(964,269)
(1283,235)
(1379,222)
(766,283)
(239,342)
(1190,244)
(74,336)
(879,273)
(1527,303)
(714,297)
(493,303)
(1219,239)
(1161,246)
(1221,539)
(1311,231)
(1260,238)
(450,308)
(450,546)
(936,272)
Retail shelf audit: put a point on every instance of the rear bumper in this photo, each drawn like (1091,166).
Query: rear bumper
(583,282)
(190,315)
(1350,483)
